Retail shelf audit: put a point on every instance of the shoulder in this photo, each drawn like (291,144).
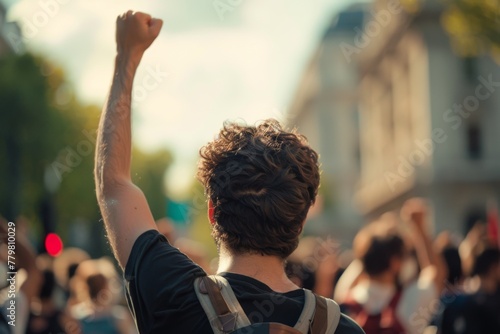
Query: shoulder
(141,247)
(160,280)
(152,250)
(348,326)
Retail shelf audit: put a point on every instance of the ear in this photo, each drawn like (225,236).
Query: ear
(210,212)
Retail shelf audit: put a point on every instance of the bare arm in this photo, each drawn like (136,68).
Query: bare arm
(415,211)
(348,280)
(124,208)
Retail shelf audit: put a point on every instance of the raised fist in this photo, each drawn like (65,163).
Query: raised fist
(415,210)
(135,31)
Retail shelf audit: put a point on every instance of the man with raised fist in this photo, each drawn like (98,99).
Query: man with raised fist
(260,182)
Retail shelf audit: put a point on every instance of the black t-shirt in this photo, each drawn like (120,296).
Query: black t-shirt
(161,296)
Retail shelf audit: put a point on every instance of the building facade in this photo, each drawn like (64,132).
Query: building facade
(325,110)
(426,120)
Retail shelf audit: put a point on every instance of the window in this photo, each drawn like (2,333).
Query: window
(474,143)
(470,69)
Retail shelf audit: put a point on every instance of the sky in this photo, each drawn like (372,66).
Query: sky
(213,61)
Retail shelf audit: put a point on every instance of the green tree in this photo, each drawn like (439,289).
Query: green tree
(148,173)
(473,25)
(47,144)
(27,138)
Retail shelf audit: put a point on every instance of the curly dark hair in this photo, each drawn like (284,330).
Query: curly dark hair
(380,252)
(261,180)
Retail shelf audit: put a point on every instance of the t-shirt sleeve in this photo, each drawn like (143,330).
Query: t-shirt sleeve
(159,280)
(347,325)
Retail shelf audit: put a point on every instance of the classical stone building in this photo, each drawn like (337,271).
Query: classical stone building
(429,123)
(325,109)
(396,114)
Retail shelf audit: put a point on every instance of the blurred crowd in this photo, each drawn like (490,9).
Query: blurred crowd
(70,293)
(396,278)
(399,279)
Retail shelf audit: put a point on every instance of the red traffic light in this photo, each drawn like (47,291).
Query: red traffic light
(53,244)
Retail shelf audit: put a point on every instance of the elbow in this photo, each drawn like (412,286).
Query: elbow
(108,184)
(109,178)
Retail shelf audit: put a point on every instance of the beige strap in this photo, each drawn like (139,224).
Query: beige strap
(329,313)
(333,315)
(320,320)
(232,302)
(228,315)
(304,322)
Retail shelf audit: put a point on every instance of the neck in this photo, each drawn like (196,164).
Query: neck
(270,270)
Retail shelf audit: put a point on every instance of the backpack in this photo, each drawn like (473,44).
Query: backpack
(225,314)
(386,322)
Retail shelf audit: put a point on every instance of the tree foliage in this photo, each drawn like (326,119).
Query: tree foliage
(148,173)
(47,141)
(473,25)
(27,141)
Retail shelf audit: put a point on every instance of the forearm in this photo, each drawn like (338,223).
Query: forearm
(113,151)
(124,208)
(429,258)
(424,250)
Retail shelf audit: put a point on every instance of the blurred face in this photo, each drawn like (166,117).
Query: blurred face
(405,267)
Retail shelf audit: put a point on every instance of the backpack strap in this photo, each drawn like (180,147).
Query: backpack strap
(320,320)
(232,301)
(225,314)
(333,310)
(223,310)
(303,324)
(326,317)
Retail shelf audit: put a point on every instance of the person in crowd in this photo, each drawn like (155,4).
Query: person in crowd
(98,290)
(46,317)
(453,289)
(65,267)
(386,299)
(314,265)
(260,182)
(479,310)
(474,243)
(27,287)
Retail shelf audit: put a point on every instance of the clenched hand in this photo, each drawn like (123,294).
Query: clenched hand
(135,32)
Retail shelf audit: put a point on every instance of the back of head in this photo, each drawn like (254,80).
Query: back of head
(379,255)
(96,284)
(376,246)
(261,180)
